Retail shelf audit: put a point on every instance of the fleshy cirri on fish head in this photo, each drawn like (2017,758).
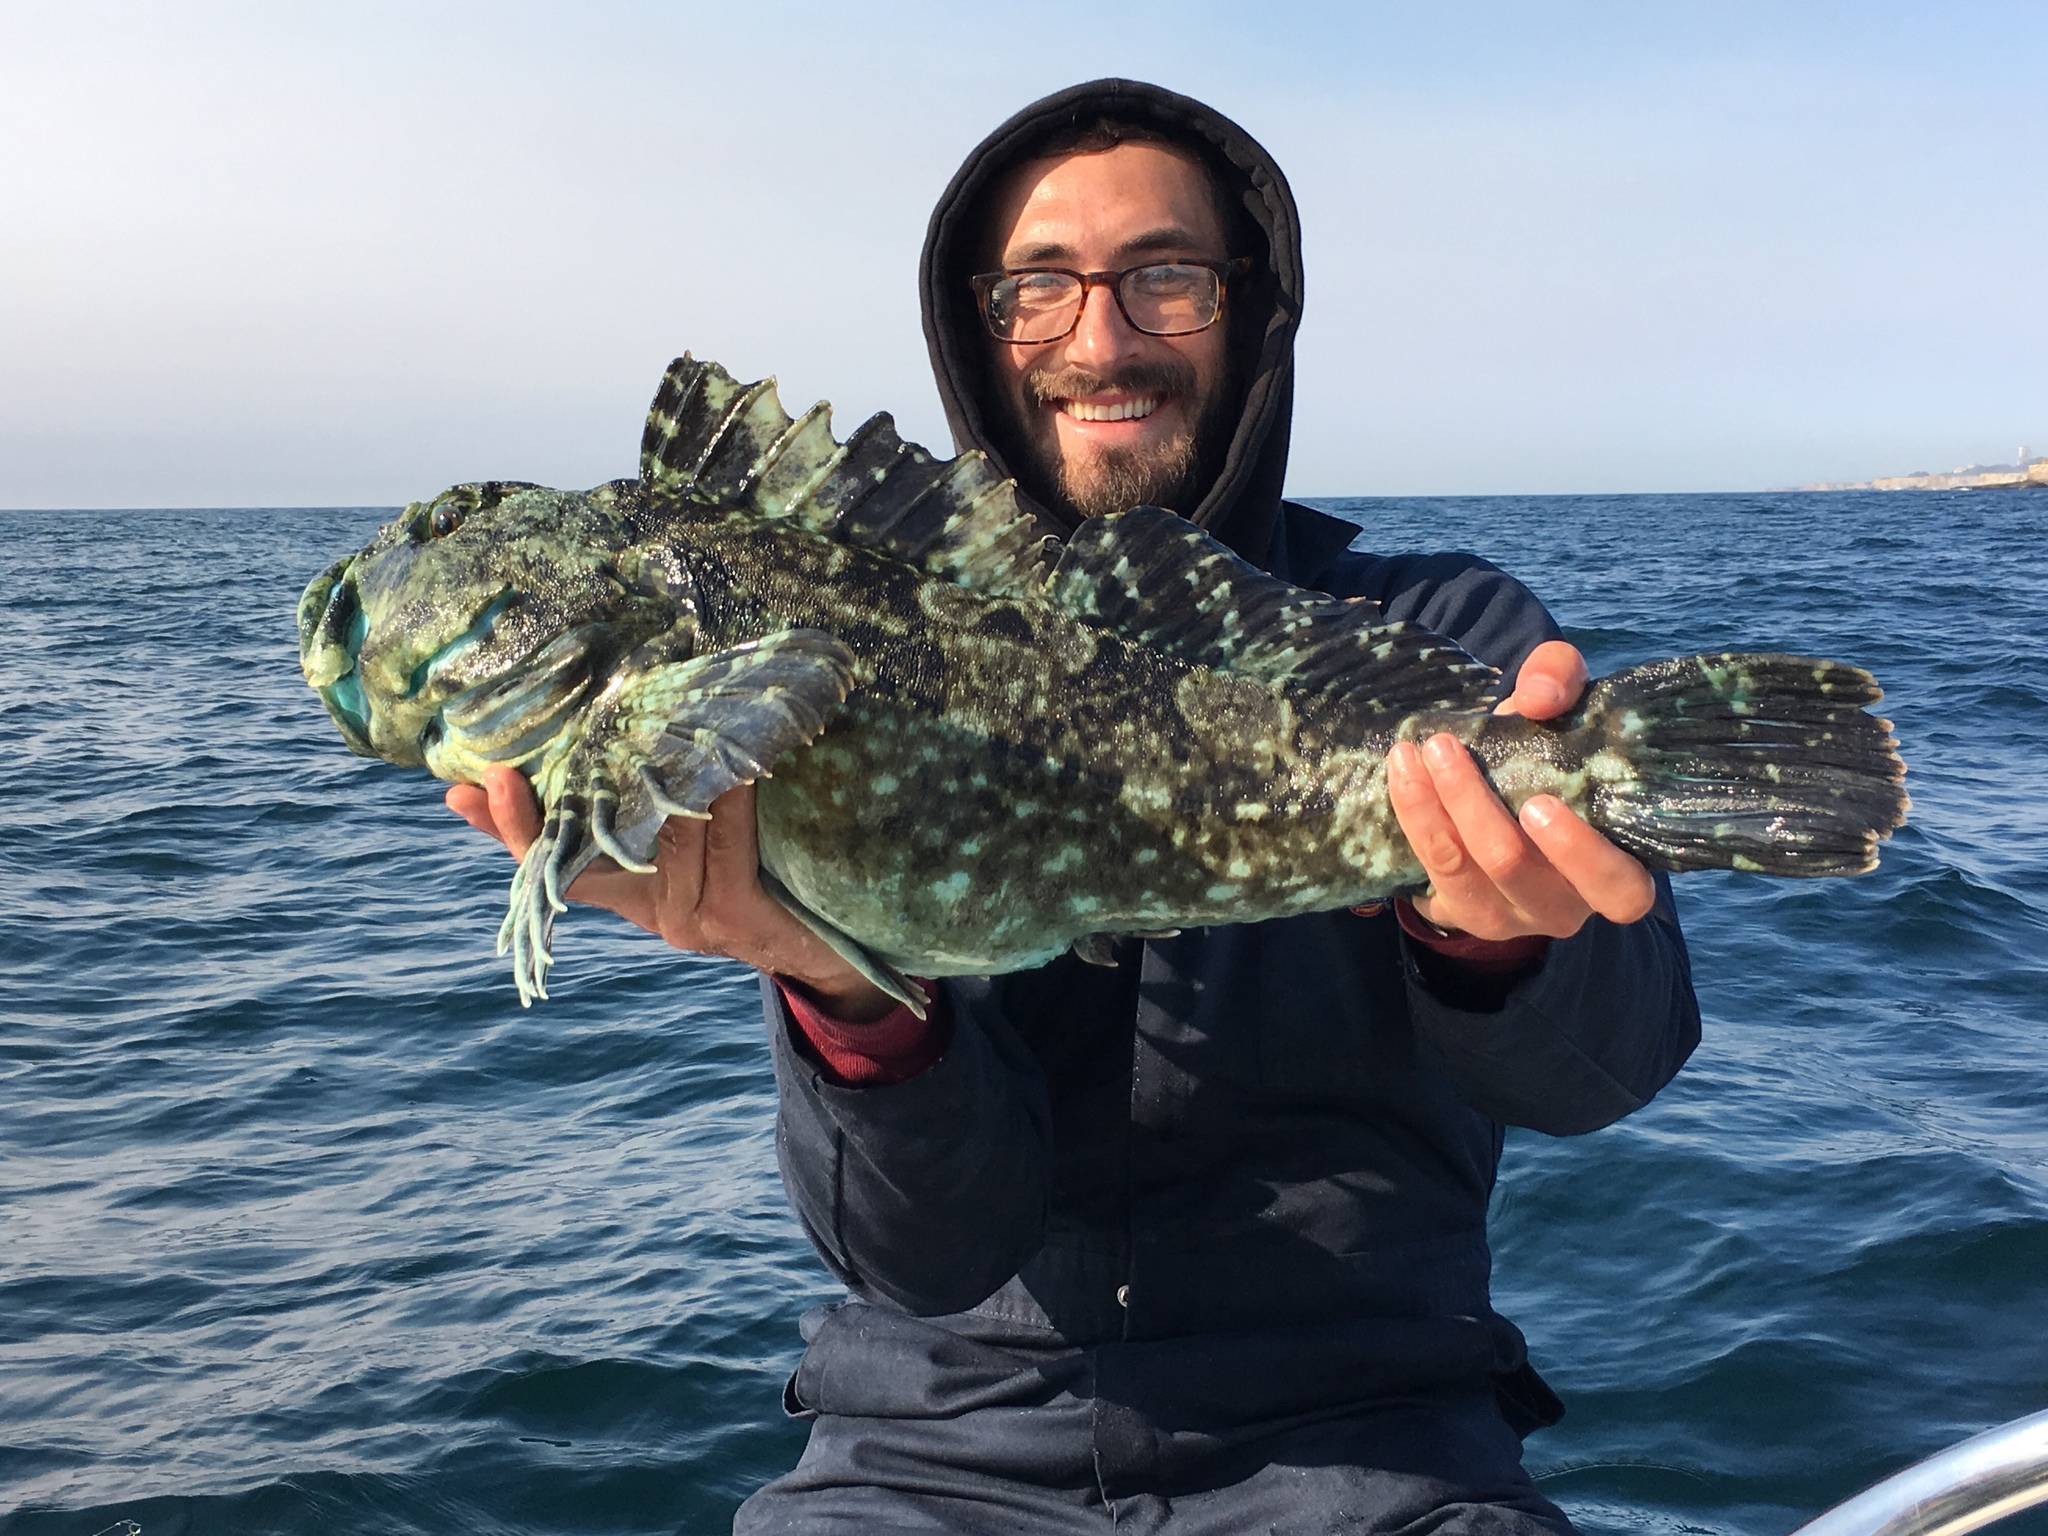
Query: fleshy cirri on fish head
(975,752)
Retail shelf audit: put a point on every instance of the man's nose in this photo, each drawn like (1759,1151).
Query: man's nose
(1101,337)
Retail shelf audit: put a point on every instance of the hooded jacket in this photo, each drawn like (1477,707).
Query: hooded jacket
(1243,1176)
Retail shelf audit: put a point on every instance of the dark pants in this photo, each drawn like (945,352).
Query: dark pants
(1421,1467)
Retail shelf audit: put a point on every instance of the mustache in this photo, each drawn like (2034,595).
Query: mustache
(1159,376)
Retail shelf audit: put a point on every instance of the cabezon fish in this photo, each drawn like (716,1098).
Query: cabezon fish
(976,749)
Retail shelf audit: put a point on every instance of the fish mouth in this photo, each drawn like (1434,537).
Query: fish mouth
(328,610)
(332,628)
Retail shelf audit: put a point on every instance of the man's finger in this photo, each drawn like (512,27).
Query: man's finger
(515,810)
(470,803)
(1507,886)
(1607,879)
(1420,811)
(732,854)
(679,873)
(1513,875)
(1431,832)
(1485,827)
(1550,682)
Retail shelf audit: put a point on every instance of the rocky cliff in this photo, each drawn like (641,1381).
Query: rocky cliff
(1976,477)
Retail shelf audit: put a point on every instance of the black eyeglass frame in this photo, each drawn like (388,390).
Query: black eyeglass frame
(983,282)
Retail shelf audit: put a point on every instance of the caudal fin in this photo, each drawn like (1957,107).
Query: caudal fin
(1760,762)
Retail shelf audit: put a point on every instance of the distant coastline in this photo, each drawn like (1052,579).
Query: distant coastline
(1972,477)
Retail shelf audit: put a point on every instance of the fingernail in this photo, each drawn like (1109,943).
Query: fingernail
(1544,693)
(1443,749)
(1542,810)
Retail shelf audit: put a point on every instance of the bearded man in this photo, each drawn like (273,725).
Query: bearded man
(1197,1242)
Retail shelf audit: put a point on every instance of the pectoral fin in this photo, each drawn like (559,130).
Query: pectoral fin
(701,727)
(664,738)
(1095,949)
(849,949)
(1100,948)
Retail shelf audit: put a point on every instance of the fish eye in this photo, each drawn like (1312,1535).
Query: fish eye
(446,519)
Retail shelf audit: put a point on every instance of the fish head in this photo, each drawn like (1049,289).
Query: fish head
(482,614)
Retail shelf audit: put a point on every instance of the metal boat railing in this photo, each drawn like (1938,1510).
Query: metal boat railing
(1999,1473)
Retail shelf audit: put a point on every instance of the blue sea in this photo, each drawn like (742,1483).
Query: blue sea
(306,1227)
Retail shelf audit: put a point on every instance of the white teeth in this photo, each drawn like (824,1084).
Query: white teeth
(1123,410)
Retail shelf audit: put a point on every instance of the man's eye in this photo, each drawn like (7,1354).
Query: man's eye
(1168,280)
(1035,289)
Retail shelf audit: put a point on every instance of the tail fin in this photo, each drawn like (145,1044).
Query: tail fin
(1760,762)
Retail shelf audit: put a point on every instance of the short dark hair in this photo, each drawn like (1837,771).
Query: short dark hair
(1103,132)
(1092,136)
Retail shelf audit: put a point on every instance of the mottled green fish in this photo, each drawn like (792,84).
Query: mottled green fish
(977,748)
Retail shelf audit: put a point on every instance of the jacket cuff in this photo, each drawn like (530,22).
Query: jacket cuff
(889,1050)
(1488,957)
(1472,975)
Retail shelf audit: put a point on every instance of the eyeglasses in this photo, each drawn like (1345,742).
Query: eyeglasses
(1161,298)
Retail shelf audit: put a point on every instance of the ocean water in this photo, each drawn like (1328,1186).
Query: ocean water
(309,1228)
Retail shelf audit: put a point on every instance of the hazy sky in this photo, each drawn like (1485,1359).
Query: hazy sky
(346,254)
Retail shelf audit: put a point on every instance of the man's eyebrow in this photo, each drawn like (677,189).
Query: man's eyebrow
(1038,253)
(1166,237)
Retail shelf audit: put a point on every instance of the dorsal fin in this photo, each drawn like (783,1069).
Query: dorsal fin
(733,445)
(1158,579)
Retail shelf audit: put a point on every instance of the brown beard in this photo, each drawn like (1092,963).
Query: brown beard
(1166,474)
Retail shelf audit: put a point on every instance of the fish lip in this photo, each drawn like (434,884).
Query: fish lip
(331,630)
(329,613)
(349,708)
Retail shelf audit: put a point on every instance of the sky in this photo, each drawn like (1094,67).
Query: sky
(346,254)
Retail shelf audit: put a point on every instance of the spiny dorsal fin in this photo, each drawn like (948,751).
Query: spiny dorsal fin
(1158,579)
(732,445)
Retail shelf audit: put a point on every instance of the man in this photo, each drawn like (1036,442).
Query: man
(1196,1243)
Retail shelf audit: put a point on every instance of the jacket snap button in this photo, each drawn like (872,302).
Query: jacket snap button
(1123,1295)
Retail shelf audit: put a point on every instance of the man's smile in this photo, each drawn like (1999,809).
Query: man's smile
(1128,408)
(1122,406)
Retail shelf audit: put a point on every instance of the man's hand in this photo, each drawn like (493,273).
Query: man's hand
(1490,875)
(704,895)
